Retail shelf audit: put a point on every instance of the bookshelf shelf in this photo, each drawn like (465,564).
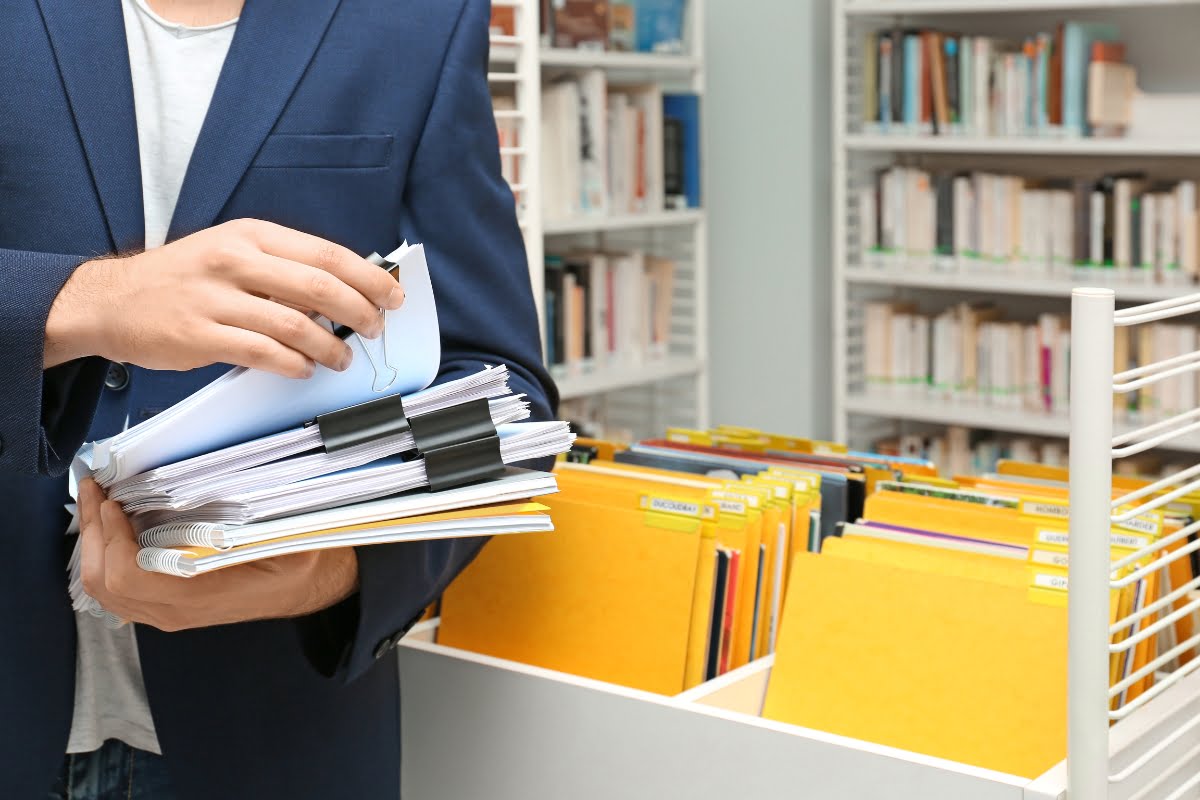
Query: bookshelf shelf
(1011,284)
(641,62)
(889,7)
(663,219)
(610,380)
(972,415)
(1028,145)
(503,51)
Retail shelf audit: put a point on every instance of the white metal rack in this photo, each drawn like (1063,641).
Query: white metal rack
(646,397)
(860,415)
(1164,761)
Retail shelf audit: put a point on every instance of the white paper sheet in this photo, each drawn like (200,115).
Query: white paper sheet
(247,404)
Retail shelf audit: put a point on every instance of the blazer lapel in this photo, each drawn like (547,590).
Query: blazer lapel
(273,45)
(90,47)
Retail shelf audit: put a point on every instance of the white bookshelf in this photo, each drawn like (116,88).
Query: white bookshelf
(860,148)
(671,390)
(970,415)
(623,222)
(641,62)
(913,7)
(1012,283)
(1027,145)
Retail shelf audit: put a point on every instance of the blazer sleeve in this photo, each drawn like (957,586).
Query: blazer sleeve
(45,414)
(461,209)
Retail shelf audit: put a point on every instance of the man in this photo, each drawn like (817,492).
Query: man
(266,146)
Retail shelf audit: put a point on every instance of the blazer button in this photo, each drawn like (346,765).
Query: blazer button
(117,377)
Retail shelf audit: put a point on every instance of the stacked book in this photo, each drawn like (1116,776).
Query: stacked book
(652,26)
(1133,226)
(1070,82)
(256,465)
(969,353)
(617,150)
(607,309)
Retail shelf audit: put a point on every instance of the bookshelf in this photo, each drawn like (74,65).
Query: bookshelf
(863,413)
(673,387)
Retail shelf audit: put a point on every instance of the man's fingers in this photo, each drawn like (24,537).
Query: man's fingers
(91,567)
(124,580)
(90,498)
(323,291)
(234,345)
(288,327)
(369,280)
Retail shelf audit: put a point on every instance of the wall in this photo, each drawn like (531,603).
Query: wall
(767,190)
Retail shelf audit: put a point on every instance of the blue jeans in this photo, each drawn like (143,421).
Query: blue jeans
(114,772)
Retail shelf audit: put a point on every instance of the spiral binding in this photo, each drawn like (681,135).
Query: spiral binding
(158,559)
(182,534)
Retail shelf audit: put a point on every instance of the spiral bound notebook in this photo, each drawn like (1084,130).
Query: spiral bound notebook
(516,484)
(505,518)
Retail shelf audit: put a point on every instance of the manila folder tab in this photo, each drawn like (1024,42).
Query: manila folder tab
(953,667)
(607,596)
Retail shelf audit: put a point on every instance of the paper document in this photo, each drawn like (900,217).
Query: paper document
(248,404)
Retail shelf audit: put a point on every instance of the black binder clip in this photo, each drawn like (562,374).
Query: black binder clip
(365,422)
(460,444)
(386,373)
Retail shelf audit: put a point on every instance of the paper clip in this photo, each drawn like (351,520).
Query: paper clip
(376,349)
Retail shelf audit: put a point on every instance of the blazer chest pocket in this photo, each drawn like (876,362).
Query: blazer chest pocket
(324,151)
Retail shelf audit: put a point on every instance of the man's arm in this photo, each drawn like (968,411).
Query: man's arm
(460,208)
(198,301)
(44,414)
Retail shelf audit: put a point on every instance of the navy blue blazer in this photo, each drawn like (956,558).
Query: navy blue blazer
(362,121)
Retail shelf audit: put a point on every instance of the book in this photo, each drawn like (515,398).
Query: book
(1072,79)
(622,32)
(685,110)
(581,24)
(660,25)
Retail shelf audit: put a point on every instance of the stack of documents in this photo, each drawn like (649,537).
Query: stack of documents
(255,466)
(172,485)
(518,442)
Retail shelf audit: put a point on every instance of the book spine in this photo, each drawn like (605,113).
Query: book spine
(912,81)
(950,63)
(886,98)
(966,83)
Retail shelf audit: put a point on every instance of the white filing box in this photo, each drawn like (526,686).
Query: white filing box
(482,727)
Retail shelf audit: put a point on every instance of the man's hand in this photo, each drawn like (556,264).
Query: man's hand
(286,586)
(228,294)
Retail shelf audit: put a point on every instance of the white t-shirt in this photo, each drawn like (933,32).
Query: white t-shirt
(174,69)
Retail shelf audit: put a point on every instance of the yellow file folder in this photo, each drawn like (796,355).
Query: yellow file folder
(955,667)
(609,595)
